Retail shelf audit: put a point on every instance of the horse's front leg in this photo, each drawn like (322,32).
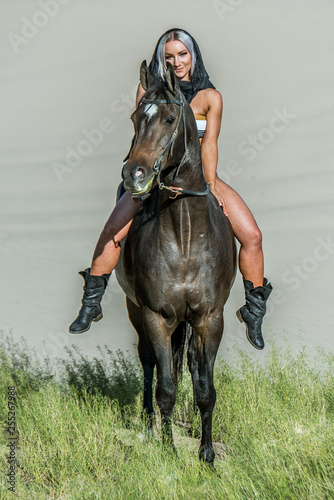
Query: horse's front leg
(207,338)
(148,363)
(158,334)
(147,360)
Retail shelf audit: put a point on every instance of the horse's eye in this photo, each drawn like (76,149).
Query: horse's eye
(170,119)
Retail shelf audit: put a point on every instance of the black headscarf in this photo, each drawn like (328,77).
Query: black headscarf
(199,79)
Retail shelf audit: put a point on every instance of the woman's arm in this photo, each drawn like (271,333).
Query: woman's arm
(209,146)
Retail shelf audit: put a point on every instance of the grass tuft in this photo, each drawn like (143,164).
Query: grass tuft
(113,375)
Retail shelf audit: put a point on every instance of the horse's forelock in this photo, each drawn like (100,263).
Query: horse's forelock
(159,91)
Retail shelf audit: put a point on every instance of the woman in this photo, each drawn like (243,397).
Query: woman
(180,49)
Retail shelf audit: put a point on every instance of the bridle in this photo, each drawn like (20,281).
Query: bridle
(157,167)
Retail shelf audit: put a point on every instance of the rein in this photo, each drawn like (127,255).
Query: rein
(157,167)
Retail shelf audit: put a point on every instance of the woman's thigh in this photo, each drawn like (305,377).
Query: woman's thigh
(243,223)
(121,217)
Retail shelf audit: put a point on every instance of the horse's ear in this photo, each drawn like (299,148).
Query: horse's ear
(171,80)
(146,79)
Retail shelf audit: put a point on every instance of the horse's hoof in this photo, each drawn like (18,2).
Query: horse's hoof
(207,455)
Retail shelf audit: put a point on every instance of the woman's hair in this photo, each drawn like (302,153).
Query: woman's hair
(199,76)
(182,37)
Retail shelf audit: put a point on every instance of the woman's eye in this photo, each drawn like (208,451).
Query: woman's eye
(170,119)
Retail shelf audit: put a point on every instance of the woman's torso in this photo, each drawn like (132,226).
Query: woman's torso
(201,125)
(199,105)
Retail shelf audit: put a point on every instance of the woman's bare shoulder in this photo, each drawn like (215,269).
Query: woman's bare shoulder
(209,97)
(208,100)
(213,96)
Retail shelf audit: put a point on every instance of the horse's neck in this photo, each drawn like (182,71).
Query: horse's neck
(190,177)
(190,174)
(187,176)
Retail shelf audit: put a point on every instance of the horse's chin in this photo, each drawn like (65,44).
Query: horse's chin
(139,189)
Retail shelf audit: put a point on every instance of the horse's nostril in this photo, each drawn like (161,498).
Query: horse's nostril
(139,172)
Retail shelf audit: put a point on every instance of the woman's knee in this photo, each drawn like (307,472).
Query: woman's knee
(254,238)
(251,238)
(109,232)
(113,233)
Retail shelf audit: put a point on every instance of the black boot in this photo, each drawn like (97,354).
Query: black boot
(91,302)
(253,311)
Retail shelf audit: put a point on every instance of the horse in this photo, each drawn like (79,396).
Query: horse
(178,261)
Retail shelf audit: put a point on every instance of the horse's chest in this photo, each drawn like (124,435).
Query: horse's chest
(173,260)
(173,270)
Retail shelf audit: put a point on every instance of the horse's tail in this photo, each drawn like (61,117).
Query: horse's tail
(180,339)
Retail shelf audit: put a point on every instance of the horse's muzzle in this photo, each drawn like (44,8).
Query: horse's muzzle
(136,179)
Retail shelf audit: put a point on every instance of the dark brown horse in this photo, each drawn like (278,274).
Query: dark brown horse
(178,261)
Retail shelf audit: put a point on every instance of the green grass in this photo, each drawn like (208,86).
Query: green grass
(80,434)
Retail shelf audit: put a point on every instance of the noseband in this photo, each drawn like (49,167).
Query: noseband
(157,167)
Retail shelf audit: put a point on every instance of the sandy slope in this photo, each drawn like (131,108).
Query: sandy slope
(79,72)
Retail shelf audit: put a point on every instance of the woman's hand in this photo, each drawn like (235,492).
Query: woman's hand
(218,196)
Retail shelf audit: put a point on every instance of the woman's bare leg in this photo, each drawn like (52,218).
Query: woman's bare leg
(247,233)
(107,250)
(105,259)
(257,289)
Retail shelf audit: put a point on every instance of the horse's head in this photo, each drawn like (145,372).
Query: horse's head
(159,122)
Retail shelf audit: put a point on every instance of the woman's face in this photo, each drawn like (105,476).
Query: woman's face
(178,55)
